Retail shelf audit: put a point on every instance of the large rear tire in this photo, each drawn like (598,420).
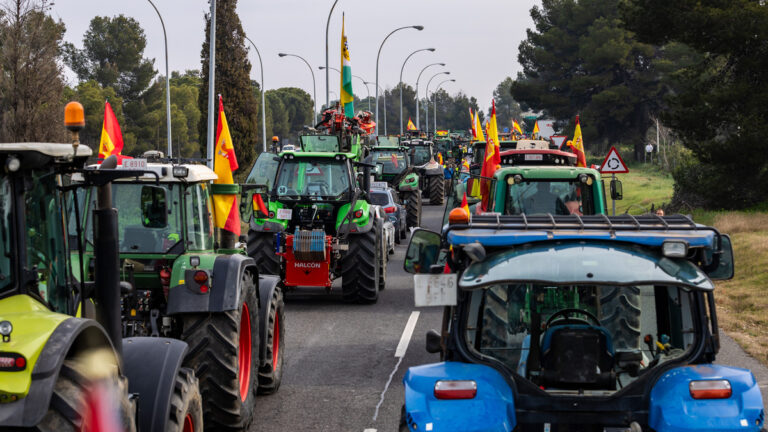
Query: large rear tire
(223,352)
(261,247)
(186,413)
(436,189)
(67,405)
(620,314)
(412,209)
(271,373)
(360,269)
(383,254)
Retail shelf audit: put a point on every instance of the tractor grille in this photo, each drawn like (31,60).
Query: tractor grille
(309,245)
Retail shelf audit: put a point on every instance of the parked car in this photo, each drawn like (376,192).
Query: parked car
(393,208)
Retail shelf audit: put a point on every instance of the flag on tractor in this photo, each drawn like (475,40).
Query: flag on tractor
(411,126)
(577,145)
(464,205)
(226,207)
(347,96)
(111,137)
(478,129)
(492,158)
(535,130)
(472,122)
(517,127)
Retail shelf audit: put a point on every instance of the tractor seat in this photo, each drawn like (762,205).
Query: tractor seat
(577,356)
(140,239)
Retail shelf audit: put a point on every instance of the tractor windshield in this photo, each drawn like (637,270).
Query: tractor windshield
(557,197)
(387,141)
(596,338)
(6,267)
(320,178)
(420,155)
(320,143)
(392,161)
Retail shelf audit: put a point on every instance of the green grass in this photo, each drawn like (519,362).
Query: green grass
(643,186)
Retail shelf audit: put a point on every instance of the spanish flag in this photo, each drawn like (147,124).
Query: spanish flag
(472,122)
(411,126)
(111,137)
(517,127)
(259,206)
(464,205)
(492,158)
(478,129)
(535,130)
(226,209)
(577,145)
(346,94)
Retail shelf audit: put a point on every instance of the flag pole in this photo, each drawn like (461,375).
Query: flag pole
(211,81)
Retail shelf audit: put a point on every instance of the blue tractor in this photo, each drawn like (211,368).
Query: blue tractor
(568,323)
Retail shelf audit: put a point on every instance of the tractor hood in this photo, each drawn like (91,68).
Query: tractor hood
(576,263)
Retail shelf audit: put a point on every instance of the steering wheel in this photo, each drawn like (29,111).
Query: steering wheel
(566,312)
(321,186)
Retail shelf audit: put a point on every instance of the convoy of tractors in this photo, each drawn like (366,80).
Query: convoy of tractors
(121,309)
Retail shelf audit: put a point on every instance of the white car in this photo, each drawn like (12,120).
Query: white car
(389,230)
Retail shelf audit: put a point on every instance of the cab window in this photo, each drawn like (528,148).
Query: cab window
(199,218)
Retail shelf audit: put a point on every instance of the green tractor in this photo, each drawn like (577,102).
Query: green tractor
(397,173)
(316,224)
(431,174)
(187,288)
(61,347)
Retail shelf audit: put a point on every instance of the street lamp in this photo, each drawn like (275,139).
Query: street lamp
(418,125)
(353,76)
(377,107)
(434,100)
(426,124)
(327,26)
(401,84)
(211,83)
(167,81)
(314,93)
(263,105)
(417,27)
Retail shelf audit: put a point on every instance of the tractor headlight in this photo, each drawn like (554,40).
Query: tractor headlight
(5,328)
(12,164)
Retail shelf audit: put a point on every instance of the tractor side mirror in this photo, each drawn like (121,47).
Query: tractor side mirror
(423,252)
(617,191)
(154,207)
(433,342)
(724,268)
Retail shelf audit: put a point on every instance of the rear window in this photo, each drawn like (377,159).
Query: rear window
(379,198)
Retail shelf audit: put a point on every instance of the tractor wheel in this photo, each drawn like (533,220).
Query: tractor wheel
(186,413)
(620,314)
(271,373)
(413,209)
(68,401)
(360,268)
(384,254)
(261,247)
(223,351)
(436,190)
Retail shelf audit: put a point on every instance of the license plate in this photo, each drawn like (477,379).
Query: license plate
(284,214)
(434,289)
(135,164)
(379,185)
(534,157)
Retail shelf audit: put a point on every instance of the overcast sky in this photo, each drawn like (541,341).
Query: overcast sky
(477,39)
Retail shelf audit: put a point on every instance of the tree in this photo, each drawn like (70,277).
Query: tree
(113,56)
(719,107)
(507,107)
(581,60)
(232,81)
(93,96)
(31,84)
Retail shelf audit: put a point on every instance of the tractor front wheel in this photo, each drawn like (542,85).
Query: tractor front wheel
(271,373)
(360,268)
(223,351)
(436,189)
(412,209)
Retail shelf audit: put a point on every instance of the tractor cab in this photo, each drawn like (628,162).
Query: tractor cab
(565,323)
(431,175)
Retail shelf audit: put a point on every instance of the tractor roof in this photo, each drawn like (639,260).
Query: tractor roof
(195,173)
(317,154)
(54,150)
(543,172)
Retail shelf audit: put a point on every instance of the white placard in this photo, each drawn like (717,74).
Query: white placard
(534,157)
(135,164)
(379,185)
(284,214)
(434,289)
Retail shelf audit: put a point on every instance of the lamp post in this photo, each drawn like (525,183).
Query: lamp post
(167,81)
(434,100)
(377,108)
(417,27)
(263,105)
(314,93)
(418,125)
(327,26)
(426,116)
(211,81)
(401,84)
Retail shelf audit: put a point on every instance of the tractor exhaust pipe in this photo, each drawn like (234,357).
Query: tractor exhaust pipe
(107,261)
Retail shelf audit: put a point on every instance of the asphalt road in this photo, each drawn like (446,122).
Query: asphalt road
(341,372)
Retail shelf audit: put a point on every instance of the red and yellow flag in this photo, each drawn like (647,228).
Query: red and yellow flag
(492,157)
(464,205)
(226,209)
(258,204)
(472,123)
(577,145)
(411,126)
(517,127)
(111,137)
(535,130)
(478,128)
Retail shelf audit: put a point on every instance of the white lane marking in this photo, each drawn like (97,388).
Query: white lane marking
(402,346)
(405,339)
(369,430)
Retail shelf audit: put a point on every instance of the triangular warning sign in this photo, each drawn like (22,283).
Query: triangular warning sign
(559,140)
(613,163)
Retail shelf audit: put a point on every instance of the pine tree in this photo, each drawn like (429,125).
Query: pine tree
(233,83)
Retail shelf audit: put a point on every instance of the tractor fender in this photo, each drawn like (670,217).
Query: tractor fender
(673,409)
(224,292)
(71,335)
(267,285)
(344,228)
(267,226)
(151,365)
(492,409)
(435,171)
